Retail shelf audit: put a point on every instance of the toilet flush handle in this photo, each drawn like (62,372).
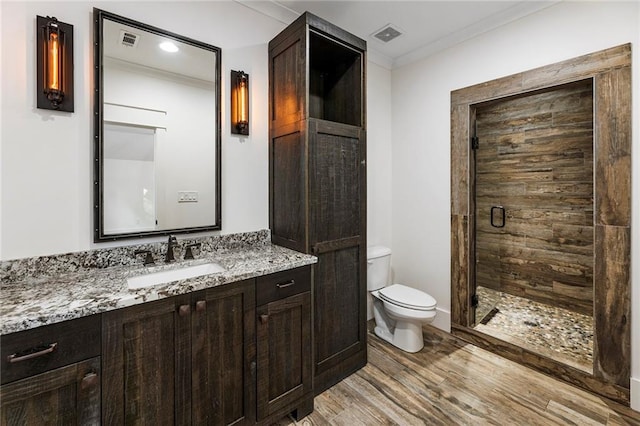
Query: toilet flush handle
(369,262)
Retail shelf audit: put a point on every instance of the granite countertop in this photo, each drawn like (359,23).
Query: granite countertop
(35,300)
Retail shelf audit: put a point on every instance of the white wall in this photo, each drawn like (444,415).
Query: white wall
(421,133)
(246,159)
(379,148)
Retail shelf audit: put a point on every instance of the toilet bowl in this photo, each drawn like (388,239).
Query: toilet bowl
(399,311)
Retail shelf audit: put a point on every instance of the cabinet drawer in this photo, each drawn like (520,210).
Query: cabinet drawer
(282,284)
(30,352)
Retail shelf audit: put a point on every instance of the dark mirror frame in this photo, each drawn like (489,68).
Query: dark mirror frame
(99,235)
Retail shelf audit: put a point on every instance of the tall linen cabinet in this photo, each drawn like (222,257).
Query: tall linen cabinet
(317,180)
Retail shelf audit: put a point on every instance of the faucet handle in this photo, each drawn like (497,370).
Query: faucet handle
(188,251)
(171,243)
(148,260)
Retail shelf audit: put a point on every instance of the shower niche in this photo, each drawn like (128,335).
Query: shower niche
(540,219)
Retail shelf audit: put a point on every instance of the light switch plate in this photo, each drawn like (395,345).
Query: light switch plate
(187,196)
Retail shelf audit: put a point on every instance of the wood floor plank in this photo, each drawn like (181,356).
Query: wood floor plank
(451,403)
(383,396)
(330,404)
(412,362)
(450,382)
(572,416)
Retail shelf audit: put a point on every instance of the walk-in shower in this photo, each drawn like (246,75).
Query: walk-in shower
(533,189)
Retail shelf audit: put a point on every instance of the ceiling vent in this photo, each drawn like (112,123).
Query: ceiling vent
(387,33)
(128,38)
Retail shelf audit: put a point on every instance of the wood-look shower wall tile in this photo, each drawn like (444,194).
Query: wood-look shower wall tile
(487,90)
(578,68)
(460,160)
(613,148)
(612,319)
(460,269)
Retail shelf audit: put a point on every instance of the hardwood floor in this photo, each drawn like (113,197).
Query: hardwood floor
(451,382)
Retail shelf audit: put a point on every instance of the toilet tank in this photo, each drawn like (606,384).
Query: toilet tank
(378,265)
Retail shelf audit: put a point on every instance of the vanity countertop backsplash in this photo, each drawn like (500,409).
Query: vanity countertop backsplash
(45,290)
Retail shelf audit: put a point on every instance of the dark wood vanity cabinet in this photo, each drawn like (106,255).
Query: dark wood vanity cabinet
(183,360)
(205,358)
(317,184)
(283,326)
(51,374)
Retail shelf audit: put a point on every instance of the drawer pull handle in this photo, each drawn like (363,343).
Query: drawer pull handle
(287,284)
(201,305)
(32,353)
(264,319)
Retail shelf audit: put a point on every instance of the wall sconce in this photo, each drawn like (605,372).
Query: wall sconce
(239,103)
(55,64)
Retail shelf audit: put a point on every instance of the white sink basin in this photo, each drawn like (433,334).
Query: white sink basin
(164,277)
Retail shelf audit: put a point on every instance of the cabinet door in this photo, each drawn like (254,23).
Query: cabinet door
(223,355)
(287,76)
(288,187)
(146,364)
(284,358)
(65,396)
(338,238)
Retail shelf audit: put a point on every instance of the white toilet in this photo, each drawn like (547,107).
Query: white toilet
(399,311)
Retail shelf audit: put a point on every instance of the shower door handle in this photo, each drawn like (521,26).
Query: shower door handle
(501,210)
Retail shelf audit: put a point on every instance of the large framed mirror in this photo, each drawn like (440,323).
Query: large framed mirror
(157,131)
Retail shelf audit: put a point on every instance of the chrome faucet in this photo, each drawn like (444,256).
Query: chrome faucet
(170,257)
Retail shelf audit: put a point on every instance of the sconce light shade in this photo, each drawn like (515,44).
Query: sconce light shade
(239,103)
(55,64)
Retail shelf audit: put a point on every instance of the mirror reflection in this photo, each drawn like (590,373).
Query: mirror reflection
(158,131)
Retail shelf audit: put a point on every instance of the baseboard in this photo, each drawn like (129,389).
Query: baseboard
(635,393)
(442,320)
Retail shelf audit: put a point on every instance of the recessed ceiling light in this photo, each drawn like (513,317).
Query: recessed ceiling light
(168,46)
(387,33)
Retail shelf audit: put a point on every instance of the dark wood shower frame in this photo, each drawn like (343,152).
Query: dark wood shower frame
(610,70)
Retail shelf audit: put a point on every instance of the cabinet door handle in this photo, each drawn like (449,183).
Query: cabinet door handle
(184,310)
(201,305)
(32,353)
(89,380)
(264,318)
(287,284)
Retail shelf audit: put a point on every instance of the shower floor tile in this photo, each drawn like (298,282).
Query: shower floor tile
(557,333)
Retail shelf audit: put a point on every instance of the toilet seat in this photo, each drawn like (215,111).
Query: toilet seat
(407,297)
